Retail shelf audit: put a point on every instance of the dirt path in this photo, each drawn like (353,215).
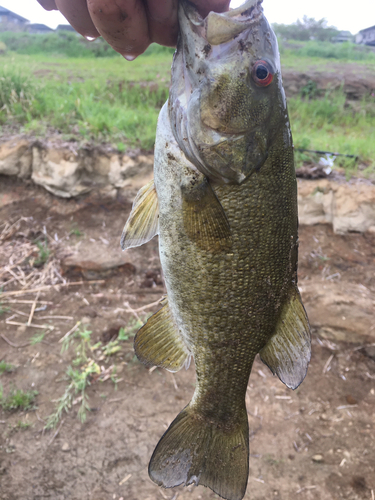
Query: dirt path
(314,443)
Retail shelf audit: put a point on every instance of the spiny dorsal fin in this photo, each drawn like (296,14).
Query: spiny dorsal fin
(158,342)
(288,352)
(204,218)
(143,222)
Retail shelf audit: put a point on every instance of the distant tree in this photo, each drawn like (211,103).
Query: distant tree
(307,29)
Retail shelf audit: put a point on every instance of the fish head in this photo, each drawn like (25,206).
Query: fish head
(227,104)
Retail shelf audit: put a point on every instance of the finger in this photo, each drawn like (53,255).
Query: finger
(206,6)
(163,22)
(123,24)
(48,4)
(77,14)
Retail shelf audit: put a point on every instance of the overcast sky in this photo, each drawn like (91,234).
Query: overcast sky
(345,16)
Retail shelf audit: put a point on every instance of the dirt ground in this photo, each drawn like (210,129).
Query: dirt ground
(315,443)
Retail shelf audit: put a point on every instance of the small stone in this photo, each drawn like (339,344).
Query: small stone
(351,400)
(318,459)
(65,447)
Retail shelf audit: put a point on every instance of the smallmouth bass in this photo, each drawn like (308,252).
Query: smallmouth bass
(224,203)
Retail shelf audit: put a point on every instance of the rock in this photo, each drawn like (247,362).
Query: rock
(318,459)
(348,206)
(350,400)
(15,158)
(67,172)
(65,447)
(337,313)
(369,351)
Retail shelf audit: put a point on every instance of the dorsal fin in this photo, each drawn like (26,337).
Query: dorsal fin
(143,222)
(288,352)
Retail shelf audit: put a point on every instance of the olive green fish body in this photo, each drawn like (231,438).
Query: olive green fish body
(224,203)
(226,303)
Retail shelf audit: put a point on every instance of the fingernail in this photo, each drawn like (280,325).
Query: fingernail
(129,57)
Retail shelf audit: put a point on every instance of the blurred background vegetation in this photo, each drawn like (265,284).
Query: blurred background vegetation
(59,83)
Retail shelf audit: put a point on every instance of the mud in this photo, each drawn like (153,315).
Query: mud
(315,443)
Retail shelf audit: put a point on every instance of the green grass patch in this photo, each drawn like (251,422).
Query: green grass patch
(17,399)
(346,51)
(6,367)
(84,100)
(330,124)
(108,99)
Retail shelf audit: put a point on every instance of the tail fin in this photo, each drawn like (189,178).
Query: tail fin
(194,450)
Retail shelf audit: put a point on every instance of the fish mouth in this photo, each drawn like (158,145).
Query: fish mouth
(221,28)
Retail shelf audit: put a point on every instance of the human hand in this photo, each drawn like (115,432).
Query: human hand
(129,26)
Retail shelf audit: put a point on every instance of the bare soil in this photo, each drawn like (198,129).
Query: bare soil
(315,443)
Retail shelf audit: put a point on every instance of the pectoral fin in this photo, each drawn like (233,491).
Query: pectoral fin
(288,352)
(158,342)
(143,222)
(204,218)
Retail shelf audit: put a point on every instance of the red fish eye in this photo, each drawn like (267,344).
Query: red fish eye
(262,73)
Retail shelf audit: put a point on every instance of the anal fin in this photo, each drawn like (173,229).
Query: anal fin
(158,342)
(143,222)
(288,352)
(204,218)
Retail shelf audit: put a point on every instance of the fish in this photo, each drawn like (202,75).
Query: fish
(223,203)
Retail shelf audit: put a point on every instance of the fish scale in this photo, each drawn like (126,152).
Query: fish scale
(224,203)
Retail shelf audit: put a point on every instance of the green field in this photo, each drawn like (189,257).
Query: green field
(100,97)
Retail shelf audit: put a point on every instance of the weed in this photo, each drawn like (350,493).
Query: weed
(22,425)
(121,147)
(79,380)
(310,90)
(5,367)
(3,309)
(37,338)
(83,336)
(17,93)
(76,232)
(43,253)
(79,375)
(17,399)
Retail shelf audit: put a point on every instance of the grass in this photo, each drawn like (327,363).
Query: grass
(329,124)
(37,338)
(84,100)
(5,367)
(17,399)
(85,366)
(43,253)
(91,98)
(3,309)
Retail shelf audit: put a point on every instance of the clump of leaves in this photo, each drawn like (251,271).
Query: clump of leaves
(17,399)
